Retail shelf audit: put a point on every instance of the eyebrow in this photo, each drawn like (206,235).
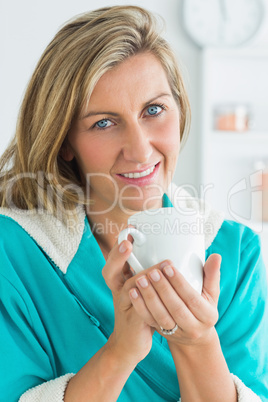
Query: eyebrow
(90,114)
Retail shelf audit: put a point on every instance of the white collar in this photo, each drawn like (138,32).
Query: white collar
(61,241)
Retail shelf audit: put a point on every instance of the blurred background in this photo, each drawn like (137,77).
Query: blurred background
(222,48)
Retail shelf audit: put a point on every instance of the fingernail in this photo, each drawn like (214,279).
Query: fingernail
(169,271)
(122,248)
(164,264)
(134,293)
(143,282)
(155,275)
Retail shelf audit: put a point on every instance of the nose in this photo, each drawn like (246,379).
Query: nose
(137,144)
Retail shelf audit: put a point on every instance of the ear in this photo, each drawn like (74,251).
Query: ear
(66,152)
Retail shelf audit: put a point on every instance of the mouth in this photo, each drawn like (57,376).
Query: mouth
(137,175)
(141,178)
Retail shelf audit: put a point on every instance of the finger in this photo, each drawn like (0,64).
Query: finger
(131,283)
(140,307)
(154,303)
(176,307)
(211,285)
(201,309)
(116,264)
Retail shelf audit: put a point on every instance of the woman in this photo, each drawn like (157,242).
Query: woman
(98,137)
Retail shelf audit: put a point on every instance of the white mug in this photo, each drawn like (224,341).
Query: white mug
(166,233)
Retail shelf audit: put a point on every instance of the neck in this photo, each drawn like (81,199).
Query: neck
(106,230)
(106,226)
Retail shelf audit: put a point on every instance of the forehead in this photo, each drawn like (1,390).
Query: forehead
(138,78)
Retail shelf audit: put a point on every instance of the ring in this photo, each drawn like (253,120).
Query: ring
(169,331)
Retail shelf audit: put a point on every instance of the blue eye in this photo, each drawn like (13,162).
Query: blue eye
(155,110)
(104,123)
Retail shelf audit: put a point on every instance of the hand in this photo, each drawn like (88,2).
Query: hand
(132,336)
(165,299)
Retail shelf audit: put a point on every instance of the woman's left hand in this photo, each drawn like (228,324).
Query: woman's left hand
(166,299)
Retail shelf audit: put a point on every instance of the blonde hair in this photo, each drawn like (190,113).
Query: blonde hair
(62,83)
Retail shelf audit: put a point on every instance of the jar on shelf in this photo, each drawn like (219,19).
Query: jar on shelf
(232,117)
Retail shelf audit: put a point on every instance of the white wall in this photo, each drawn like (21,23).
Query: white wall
(27,26)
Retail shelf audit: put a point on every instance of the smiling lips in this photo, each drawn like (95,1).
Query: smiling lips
(143,178)
(137,175)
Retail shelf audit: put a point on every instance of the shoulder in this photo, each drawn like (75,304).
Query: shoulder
(58,240)
(243,273)
(234,238)
(7,222)
(18,251)
(12,236)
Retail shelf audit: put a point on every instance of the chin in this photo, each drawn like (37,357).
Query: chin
(142,206)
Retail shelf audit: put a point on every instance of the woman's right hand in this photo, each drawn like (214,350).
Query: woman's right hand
(131,339)
(103,377)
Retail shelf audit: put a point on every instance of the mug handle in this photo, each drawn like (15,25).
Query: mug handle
(139,239)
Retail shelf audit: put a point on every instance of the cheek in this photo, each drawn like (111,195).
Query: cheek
(170,137)
(94,156)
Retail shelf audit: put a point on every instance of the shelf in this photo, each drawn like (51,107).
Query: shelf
(240,136)
(251,144)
